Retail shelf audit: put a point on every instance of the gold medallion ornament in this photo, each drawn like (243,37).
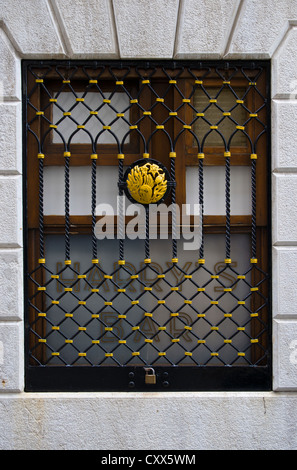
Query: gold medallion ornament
(147,182)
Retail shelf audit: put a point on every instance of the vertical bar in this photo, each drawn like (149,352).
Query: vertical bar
(253,197)
(174,235)
(227,197)
(120,208)
(147,233)
(40,196)
(67,219)
(201,203)
(93,203)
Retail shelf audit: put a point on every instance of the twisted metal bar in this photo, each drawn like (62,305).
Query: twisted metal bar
(201,202)
(41,210)
(174,234)
(67,217)
(121,217)
(147,234)
(227,196)
(93,208)
(254,224)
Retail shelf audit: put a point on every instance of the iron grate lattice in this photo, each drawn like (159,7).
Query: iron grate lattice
(107,302)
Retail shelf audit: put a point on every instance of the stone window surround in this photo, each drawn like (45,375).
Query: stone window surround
(63,29)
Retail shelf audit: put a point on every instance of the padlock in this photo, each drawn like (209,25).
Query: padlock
(150,376)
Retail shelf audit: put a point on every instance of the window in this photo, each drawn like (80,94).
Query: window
(147,225)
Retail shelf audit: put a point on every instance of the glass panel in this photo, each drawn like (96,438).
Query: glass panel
(226,102)
(107,179)
(97,317)
(80,115)
(80,189)
(214,189)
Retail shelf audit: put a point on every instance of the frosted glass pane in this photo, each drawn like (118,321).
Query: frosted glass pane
(225,101)
(214,189)
(80,189)
(81,112)
(106,315)
(107,189)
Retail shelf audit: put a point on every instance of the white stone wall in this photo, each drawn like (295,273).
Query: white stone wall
(155,29)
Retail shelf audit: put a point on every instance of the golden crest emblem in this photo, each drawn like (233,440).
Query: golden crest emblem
(147,183)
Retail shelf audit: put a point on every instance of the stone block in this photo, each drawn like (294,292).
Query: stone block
(207,421)
(284,134)
(284,281)
(10,138)
(146,29)
(260,28)
(204,28)
(11,357)
(285,355)
(11,211)
(88,28)
(284,209)
(30,28)
(284,67)
(10,73)
(11,285)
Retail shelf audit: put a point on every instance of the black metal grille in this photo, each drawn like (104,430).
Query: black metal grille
(90,310)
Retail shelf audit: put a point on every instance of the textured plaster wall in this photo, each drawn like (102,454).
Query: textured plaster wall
(180,29)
